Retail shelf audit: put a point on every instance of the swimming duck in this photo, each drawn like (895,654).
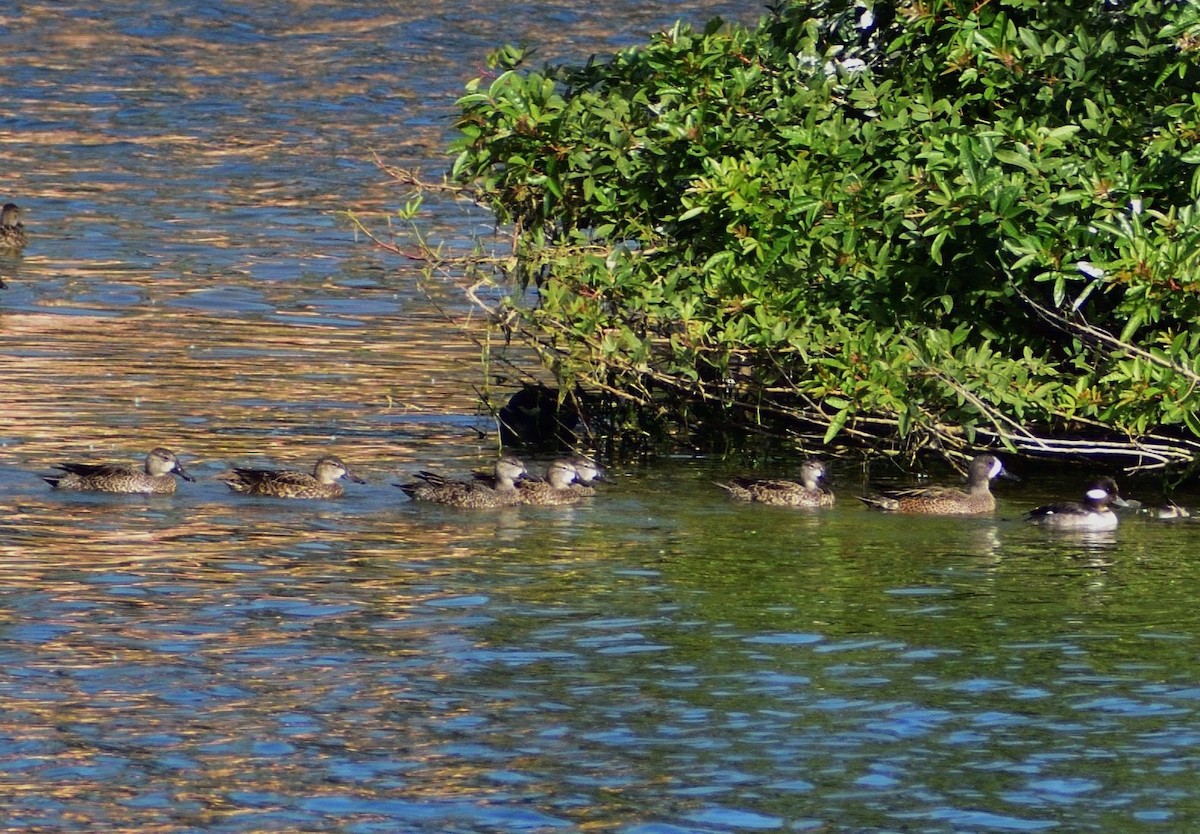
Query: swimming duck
(1092,513)
(807,492)
(154,478)
(568,480)
(287,483)
(496,490)
(12,230)
(1168,512)
(940,500)
(587,472)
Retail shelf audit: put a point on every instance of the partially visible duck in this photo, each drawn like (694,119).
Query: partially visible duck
(535,418)
(12,230)
(587,472)
(568,480)
(1168,512)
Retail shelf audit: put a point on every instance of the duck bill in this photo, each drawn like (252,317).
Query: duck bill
(354,478)
(183,473)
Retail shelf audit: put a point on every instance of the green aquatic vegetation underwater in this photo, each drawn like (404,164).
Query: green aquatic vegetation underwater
(974,222)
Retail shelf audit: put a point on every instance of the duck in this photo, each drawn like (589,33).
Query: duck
(538,417)
(12,230)
(587,472)
(976,499)
(288,483)
(1168,512)
(155,477)
(807,492)
(1092,513)
(568,480)
(499,489)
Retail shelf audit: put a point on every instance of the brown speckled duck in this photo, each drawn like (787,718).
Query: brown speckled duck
(568,480)
(807,492)
(497,490)
(286,483)
(154,478)
(12,230)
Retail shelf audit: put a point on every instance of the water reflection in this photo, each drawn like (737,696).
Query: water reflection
(679,654)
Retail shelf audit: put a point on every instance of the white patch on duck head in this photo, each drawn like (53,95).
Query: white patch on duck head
(997,468)
(1097,494)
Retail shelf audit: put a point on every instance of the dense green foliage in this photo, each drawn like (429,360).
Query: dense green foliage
(978,223)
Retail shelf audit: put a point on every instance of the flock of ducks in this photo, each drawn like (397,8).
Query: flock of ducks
(1094,512)
(567,481)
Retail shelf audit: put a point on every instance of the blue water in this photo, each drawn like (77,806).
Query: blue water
(655,661)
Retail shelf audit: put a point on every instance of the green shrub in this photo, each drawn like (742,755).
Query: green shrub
(976,224)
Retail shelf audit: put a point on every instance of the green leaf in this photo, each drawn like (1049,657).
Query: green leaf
(935,251)
(836,424)
(1136,319)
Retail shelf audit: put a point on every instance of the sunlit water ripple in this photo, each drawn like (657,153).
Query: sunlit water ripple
(656,661)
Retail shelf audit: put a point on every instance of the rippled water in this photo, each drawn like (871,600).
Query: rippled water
(657,661)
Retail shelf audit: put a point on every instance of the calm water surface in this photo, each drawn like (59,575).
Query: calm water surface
(658,661)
